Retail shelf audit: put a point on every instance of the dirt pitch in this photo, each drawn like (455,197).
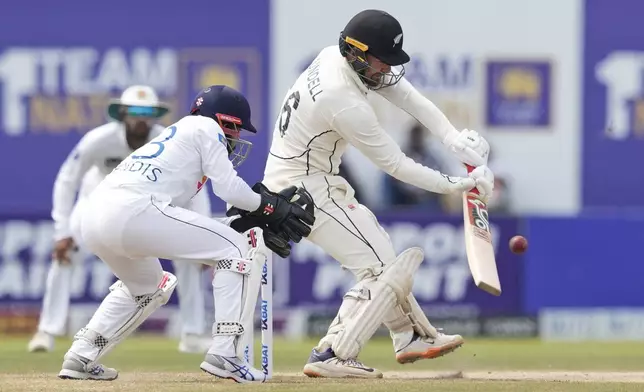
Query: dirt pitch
(152,364)
(504,381)
(554,376)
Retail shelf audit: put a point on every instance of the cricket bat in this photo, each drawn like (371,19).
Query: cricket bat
(478,242)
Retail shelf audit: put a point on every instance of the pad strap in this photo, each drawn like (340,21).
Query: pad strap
(92,337)
(230,328)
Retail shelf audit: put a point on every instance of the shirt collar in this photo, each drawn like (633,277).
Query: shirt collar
(347,69)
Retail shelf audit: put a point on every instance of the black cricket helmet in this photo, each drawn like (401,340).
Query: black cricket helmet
(231,110)
(379,34)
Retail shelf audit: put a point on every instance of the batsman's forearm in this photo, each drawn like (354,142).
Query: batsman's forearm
(420,176)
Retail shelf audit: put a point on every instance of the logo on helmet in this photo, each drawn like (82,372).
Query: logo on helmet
(397,39)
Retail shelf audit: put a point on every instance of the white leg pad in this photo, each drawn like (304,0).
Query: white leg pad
(399,275)
(145,305)
(366,314)
(370,300)
(251,269)
(409,316)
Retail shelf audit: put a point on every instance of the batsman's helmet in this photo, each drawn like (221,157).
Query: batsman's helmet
(379,34)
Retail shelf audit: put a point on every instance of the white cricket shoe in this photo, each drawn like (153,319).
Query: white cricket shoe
(232,368)
(425,348)
(41,342)
(194,344)
(76,367)
(325,364)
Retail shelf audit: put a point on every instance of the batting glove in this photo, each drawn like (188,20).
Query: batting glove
(469,147)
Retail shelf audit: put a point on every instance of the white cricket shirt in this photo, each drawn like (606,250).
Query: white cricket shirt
(175,165)
(327,109)
(94,156)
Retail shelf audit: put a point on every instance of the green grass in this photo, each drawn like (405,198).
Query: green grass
(154,364)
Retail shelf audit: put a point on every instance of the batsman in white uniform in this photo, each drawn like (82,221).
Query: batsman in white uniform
(325,110)
(93,158)
(134,217)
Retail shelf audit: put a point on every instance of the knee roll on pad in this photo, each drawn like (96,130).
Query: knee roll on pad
(239,266)
(161,296)
(257,250)
(399,275)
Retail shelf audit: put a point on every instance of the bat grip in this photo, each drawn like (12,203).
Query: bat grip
(469,170)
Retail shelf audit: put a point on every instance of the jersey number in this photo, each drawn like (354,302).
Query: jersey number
(159,145)
(292,102)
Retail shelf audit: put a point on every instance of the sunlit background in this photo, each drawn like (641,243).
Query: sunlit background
(557,87)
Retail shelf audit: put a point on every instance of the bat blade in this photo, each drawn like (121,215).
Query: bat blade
(478,243)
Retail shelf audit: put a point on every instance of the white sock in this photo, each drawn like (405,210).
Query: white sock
(227,287)
(55,305)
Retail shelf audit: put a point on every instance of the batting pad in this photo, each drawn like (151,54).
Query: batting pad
(120,314)
(409,315)
(371,300)
(240,323)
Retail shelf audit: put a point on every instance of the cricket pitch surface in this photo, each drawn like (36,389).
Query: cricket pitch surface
(152,364)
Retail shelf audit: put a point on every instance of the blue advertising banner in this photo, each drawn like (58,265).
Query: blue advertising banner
(594,268)
(309,279)
(443,285)
(56,80)
(584,262)
(613,104)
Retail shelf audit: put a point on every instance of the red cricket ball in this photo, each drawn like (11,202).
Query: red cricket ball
(518,244)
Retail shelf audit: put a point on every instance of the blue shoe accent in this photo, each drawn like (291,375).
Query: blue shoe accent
(317,356)
(242,371)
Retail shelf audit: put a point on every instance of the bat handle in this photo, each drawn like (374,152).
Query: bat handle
(469,170)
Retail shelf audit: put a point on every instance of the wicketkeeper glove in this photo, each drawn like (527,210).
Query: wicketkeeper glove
(288,213)
(276,242)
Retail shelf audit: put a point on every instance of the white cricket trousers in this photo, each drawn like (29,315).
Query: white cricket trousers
(130,232)
(347,230)
(55,307)
(351,234)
